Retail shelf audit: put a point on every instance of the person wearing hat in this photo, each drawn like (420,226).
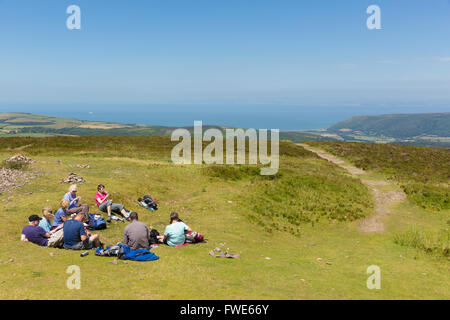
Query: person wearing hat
(35,234)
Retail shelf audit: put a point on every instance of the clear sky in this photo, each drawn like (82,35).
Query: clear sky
(219,52)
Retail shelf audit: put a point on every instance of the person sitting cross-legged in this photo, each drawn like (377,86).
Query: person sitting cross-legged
(74,206)
(175,233)
(136,235)
(76,237)
(106,205)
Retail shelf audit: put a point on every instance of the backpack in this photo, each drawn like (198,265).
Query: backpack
(111,251)
(96,222)
(154,236)
(148,202)
(194,237)
(137,255)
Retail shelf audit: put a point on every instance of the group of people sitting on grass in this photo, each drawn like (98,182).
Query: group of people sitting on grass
(69,227)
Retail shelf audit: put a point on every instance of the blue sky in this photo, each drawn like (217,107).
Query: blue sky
(225,52)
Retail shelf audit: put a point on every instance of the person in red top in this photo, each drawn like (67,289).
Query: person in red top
(106,205)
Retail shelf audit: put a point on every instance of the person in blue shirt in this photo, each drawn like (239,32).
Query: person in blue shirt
(175,233)
(45,223)
(74,206)
(35,234)
(76,237)
(60,215)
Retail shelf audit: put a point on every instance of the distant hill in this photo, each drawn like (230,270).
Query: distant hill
(430,130)
(396,126)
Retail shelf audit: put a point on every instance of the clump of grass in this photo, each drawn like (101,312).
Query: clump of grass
(15,165)
(295,199)
(428,196)
(430,243)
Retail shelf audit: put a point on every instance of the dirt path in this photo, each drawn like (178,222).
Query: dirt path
(383,199)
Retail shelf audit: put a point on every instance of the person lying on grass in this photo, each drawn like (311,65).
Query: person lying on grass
(35,234)
(175,233)
(74,207)
(60,216)
(76,236)
(106,205)
(136,235)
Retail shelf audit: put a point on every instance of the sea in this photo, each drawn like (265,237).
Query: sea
(285,118)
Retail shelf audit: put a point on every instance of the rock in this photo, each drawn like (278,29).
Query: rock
(20,158)
(52,254)
(11,260)
(114,262)
(319,259)
(268,258)
(329,263)
(72,178)
(125,261)
(229,201)
(2,281)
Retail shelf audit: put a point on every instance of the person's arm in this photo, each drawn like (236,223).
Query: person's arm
(58,227)
(102,200)
(83,235)
(23,238)
(63,218)
(47,235)
(187,229)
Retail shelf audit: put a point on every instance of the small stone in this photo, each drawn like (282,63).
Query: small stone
(11,260)
(114,261)
(295,275)
(52,254)
(312,244)
(319,259)
(125,261)
(230,201)
(303,280)
(268,258)
(329,263)
(3,281)
(14,274)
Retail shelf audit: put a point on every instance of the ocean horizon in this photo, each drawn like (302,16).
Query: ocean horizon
(285,118)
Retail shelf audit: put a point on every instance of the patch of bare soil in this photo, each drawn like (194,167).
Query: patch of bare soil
(383,199)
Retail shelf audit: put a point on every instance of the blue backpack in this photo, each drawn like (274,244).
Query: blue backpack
(96,224)
(137,255)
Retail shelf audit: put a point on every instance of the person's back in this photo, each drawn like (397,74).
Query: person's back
(136,235)
(175,233)
(73,230)
(36,235)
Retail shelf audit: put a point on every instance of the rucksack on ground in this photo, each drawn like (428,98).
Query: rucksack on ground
(148,202)
(96,222)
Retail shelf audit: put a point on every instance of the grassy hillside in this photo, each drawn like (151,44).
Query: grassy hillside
(397,126)
(296,232)
(424,173)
